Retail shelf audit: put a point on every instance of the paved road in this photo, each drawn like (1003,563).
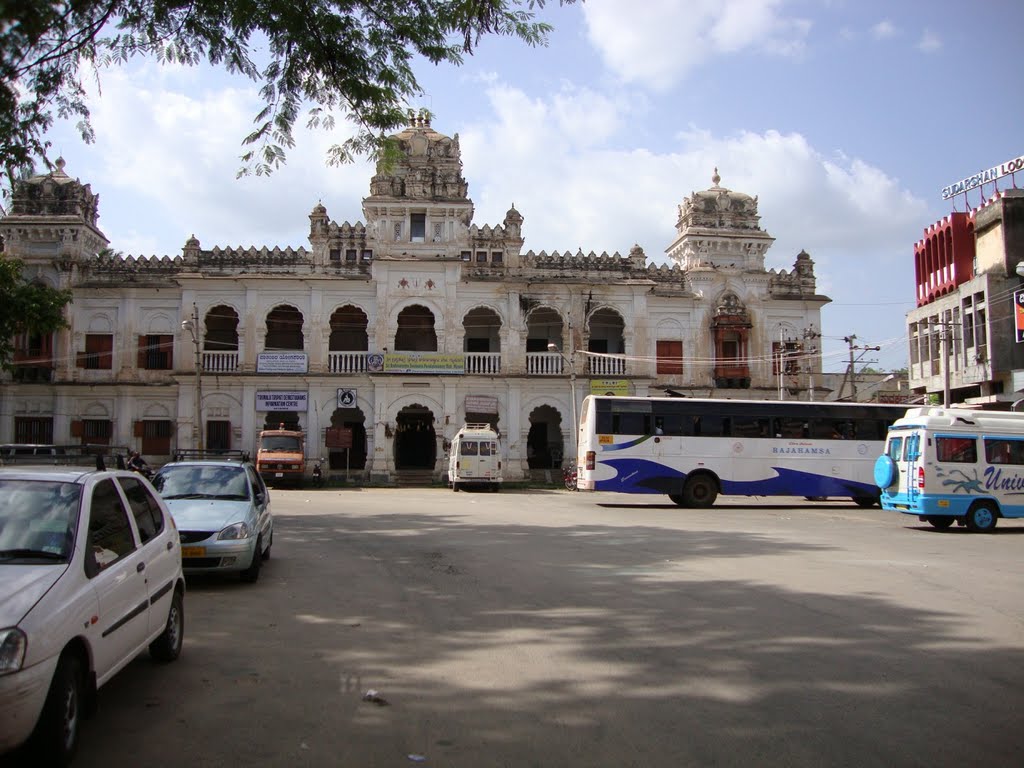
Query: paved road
(542,628)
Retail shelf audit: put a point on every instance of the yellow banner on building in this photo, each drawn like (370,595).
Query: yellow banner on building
(617,387)
(424,362)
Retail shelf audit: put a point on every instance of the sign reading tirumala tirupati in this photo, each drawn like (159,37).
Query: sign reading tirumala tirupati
(282,401)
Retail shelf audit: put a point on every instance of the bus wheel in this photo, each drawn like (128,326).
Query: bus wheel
(942,522)
(700,492)
(455,487)
(982,518)
(677,499)
(865,501)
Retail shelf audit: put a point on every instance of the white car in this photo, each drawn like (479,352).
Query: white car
(90,576)
(222,509)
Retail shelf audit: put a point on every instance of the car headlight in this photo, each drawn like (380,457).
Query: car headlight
(236,531)
(12,650)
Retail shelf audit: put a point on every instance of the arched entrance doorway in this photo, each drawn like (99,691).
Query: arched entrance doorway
(415,440)
(350,459)
(544,443)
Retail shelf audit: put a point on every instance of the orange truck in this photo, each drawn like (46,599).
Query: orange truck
(281,456)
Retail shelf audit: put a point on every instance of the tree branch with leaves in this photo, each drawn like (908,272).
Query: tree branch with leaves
(323,56)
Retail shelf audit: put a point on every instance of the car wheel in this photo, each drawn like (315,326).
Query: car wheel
(942,522)
(252,573)
(167,647)
(700,492)
(982,518)
(55,739)
(266,552)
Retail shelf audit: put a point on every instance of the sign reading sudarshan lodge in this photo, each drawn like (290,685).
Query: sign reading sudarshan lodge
(983,177)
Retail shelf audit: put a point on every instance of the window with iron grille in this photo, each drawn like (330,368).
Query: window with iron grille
(96,431)
(99,352)
(156,352)
(218,435)
(33,429)
(335,254)
(351,254)
(156,437)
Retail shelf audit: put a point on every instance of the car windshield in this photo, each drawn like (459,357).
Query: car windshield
(198,482)
(38,520)
(280,443)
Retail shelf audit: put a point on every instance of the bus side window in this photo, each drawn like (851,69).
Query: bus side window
(913,448)
(1004,451)
(956,450)
(896,448)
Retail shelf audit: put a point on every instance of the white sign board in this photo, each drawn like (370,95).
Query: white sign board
(983,177)
(282,362)
(282,401)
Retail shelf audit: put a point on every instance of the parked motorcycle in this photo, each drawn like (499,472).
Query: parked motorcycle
(569,476)
(318,475)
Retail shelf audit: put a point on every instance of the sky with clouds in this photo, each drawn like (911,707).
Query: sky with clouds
(845,117)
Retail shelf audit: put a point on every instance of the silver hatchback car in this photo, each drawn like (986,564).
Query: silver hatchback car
(222,510)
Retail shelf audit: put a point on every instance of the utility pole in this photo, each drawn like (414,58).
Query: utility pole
(852,371)
(810,334)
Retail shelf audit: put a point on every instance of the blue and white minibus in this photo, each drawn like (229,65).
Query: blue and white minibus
(953,465)
(693,449)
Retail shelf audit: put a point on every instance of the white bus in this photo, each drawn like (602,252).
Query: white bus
(474,458)
(694,449)
(951,465)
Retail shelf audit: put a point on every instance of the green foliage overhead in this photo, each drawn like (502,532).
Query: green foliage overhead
(26,307)
(316,56)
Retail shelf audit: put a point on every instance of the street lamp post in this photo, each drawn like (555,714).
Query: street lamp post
(192,326)
(572,388)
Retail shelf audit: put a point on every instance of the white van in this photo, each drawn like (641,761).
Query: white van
(953,465)
(475,458)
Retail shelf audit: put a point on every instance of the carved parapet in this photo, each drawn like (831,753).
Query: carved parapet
(273,260)
(575,263)
(110,267)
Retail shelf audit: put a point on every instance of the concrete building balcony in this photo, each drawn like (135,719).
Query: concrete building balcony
(346,362)
(220,362)
(483,363)
(545,364)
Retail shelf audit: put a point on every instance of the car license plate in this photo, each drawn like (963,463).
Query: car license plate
(193,551)
(279,474)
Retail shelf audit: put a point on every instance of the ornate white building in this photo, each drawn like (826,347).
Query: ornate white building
(388,334)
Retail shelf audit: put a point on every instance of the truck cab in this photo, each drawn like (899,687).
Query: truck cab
(281,456)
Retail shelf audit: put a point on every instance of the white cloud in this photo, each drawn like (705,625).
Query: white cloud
(856,221)
(883,30)
(659,42)
(168,151)
(929,42)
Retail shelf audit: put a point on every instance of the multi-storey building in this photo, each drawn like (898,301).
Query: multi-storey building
(382,337)
(963,340)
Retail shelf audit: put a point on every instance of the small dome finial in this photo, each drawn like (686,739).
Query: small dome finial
(716,178)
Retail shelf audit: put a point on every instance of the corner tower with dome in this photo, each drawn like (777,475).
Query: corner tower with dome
(382,336)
